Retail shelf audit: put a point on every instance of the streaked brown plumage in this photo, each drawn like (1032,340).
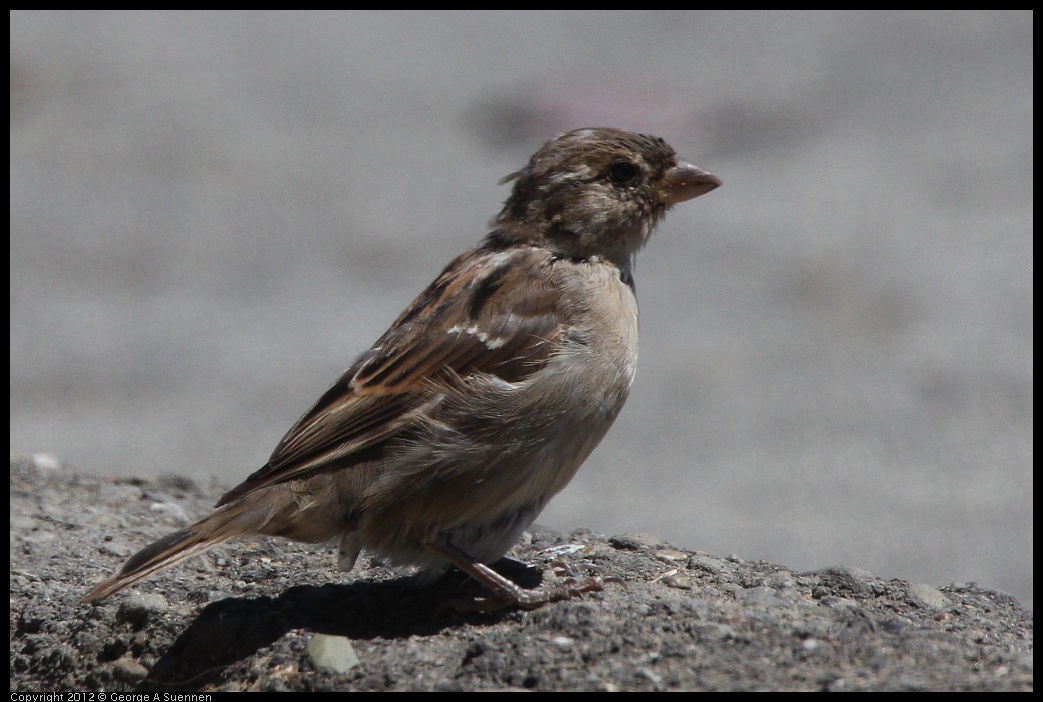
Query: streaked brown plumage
(445,440)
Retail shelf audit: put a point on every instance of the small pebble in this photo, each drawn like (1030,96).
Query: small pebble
(332,653)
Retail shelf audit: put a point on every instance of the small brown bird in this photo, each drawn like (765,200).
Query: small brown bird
(446,439)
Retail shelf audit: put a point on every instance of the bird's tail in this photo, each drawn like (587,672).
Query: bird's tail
(244,516)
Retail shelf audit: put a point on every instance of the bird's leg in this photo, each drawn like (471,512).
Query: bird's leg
(507,593)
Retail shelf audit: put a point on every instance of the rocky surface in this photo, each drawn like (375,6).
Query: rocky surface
(272,615)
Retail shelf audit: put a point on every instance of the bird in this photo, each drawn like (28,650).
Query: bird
(443,441)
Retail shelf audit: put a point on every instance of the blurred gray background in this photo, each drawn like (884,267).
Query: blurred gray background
(213,213)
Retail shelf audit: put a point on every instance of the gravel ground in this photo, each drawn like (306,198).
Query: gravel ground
(271,615)
(213,213)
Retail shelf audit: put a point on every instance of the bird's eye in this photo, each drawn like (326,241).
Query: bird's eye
(623,172)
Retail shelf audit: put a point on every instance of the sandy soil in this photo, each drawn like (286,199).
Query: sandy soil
(254,615)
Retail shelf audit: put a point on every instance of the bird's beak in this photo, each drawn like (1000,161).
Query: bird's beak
(684,182)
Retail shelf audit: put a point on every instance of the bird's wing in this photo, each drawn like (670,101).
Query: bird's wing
(476,318)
